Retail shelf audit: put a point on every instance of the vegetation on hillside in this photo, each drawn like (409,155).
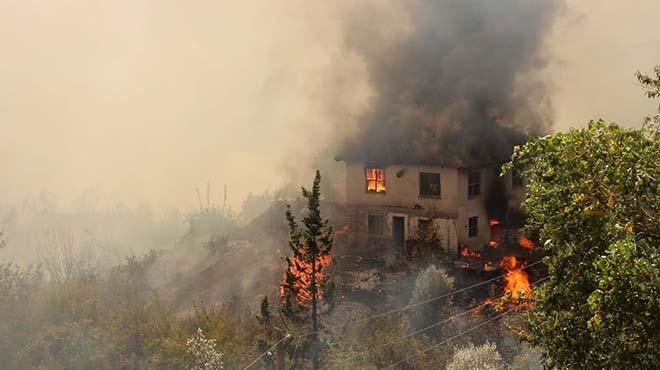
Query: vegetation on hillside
(594,200)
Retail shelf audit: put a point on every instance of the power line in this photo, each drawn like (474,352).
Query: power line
(412,305)
(406,307)
(459,334)
(449,339)
(428,327)
(287,336)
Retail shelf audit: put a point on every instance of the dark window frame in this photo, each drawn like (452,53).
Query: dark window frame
(474,184)
(427,187)
(473,227)
(375,224)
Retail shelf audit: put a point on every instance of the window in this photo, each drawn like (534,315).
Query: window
(516,180)
(474,184)
(473,226)
(376,224)
(376,180)
(429,184)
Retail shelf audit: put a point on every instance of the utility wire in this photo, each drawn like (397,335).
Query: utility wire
(459,334)
(412,305)
(452,318)
(406,307)
(287,336)
(449,339)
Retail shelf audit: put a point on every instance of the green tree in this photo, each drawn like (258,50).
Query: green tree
(430,283)
(593,197)
(305,286)
(651,85)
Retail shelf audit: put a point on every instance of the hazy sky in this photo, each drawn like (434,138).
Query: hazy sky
(146,100)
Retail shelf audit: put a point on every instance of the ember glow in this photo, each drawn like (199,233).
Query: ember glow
(341,230)
(466,252)
(517,281)
(495,232)
(376,180)
(302,270)
(526,243)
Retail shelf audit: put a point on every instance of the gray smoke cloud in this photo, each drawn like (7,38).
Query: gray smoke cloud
(454,83)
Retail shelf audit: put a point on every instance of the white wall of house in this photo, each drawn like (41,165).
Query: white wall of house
(454,205)
(402,184)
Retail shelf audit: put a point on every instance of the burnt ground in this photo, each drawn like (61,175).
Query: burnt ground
(251,266)
(367,278)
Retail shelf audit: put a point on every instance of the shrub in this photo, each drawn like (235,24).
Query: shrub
(203,352)
(471,357)
(431,282)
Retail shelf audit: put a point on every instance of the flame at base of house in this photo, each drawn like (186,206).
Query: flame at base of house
(466,252)
(517,281)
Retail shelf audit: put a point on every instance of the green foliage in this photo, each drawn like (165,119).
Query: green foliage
(306,287)
(593,197)
(427,243)
(379,344)
(115,321)
(217,244)
(471,357)
(651,86)
(430,283)
(17,286)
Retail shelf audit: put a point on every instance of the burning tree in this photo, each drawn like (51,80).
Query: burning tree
(305,287)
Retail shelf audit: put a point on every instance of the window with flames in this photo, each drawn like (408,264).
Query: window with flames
(376,180)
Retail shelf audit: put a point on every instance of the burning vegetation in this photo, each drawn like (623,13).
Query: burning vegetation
(298,278)
(517,281)
(525,243)
(466,252)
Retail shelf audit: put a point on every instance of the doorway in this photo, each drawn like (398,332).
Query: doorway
(398,231)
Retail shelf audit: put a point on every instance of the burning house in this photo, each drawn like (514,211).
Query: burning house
(387,204)
(445,113)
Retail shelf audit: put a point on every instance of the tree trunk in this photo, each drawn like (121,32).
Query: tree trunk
(315,326)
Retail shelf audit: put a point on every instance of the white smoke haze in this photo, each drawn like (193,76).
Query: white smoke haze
(142,102)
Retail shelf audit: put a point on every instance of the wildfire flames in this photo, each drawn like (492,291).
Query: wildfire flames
(466,252)
(517,282)
(341,230)
(526,243)
(302,272)
(376,180)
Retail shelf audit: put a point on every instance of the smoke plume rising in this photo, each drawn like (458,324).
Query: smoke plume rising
(454,81)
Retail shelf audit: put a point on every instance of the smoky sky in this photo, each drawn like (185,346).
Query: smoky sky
(144,101)
(455,88)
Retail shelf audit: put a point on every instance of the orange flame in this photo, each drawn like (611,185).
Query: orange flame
(341,230)
(495,232)
(466,252)
(376,180)
(302,271)
(526,243)
(517,282)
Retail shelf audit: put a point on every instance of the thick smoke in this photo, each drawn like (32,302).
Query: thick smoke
(455,86)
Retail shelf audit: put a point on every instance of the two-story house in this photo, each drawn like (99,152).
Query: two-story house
(389,203)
